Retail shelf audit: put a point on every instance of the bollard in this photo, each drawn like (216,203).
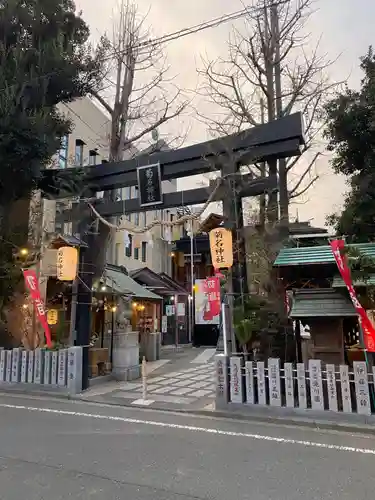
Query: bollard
(144,379)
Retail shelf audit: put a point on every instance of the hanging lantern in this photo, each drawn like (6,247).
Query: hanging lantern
(52,316)
(67,261)
(221,245)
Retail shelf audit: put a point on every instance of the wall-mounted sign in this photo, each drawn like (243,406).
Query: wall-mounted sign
(164,324)
(221,246)
(181,309)
(149,185)
(169,310)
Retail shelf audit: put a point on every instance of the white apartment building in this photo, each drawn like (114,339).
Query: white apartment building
(88,144)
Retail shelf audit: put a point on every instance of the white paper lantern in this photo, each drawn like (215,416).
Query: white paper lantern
(67,262)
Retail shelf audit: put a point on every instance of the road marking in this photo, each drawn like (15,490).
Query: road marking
(204,356)
(193,428)
(143,402)
(155,365)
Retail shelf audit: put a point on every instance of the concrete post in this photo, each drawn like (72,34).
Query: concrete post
(221,380)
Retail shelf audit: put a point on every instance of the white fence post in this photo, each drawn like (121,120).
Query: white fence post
(249,372)
(274,381)
(24,361)
(47,367)
(316,384)
(63,368)
(261,380)
(301,382)
(236,381)
(16,365)
(75,369)
(39,366)
(3,365)
(30,367)
(289,385)
(331,387)
(345,389)
(9,366)
(54,367)
(222,380)
(361,387)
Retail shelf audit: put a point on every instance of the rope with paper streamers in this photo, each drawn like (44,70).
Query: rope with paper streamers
(131,228)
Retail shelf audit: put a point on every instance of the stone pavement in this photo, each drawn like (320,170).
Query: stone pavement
(183,378)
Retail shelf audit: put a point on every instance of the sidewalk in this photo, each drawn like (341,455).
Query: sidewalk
(181,379)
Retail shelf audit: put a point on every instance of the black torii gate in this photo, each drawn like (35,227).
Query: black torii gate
(282,138)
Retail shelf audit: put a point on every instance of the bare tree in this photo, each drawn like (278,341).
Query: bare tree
(270,72)
(137,92)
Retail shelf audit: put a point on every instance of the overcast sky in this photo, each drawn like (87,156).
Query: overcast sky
(346,27)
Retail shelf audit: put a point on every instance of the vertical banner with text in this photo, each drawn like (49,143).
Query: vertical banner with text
(337,247)
(31,282)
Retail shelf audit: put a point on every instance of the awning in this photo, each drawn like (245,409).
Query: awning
(123,284)
(302,256)
(321,303)
(159,283)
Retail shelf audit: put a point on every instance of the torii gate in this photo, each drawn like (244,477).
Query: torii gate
(281,138)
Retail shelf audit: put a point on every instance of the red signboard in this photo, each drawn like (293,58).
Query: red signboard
(337,247)
(31,282)
(212,289)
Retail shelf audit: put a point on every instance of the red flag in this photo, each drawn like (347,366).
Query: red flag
(337,247)
(31,282)
(212,289)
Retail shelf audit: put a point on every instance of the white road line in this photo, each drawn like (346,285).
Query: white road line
(192,428)
(143,402)
(204,356)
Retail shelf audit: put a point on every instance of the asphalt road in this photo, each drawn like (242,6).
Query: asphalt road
(61,450)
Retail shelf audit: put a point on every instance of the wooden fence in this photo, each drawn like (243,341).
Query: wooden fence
(61,369)
(322,387)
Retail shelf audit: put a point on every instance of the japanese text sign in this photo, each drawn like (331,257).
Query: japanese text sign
(149,185)
(221,245)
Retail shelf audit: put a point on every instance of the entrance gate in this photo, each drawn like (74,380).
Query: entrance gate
(282,138)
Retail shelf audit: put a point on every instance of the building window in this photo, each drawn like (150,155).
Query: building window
(144,251)
(136,219)
(144,217)
(92,157)
(128,249)
(136,253)
(79,153)
(63,152)
(117,253)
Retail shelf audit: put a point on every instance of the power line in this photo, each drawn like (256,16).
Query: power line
(213,23)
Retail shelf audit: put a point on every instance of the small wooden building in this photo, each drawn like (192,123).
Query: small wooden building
(318,297)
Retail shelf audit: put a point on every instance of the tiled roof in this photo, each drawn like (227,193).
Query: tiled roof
(316,255)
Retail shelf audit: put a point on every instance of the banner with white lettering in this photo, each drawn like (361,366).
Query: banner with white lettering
(32,284)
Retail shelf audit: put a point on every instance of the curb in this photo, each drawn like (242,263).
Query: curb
(309,423)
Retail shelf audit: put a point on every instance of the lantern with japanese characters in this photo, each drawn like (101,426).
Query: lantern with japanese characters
(67,262)
(221,245)
(52,316)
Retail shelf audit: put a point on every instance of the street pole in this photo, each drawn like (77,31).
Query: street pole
(192,283)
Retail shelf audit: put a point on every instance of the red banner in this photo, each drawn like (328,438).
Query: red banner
(337,246)
(31,282)
(212,289)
